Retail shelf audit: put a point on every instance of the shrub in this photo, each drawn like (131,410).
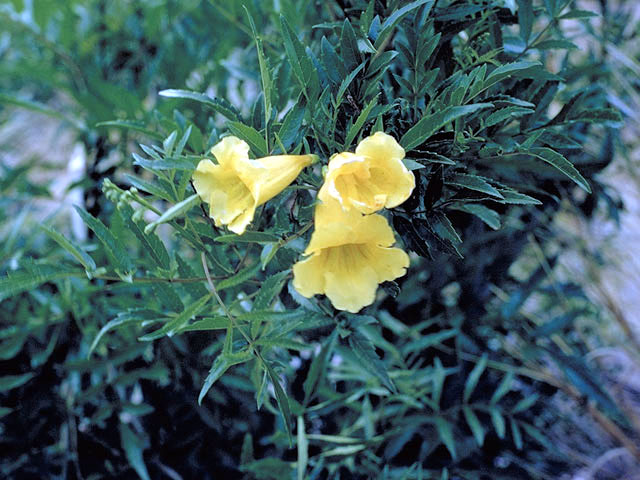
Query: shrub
(170,346)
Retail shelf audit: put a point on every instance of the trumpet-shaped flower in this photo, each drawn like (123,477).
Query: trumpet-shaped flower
(371,179)
(237,185)
(349,255)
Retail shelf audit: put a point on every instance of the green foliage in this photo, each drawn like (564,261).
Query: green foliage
(162,318)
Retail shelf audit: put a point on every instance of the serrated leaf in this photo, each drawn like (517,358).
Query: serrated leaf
(176,323)
(559,162)
(503,114)
(498,422)
(476,183)
(114,248)
(281,397)
(240,277)
(222,107)
(301,65)
(445,432)
(429,340)
(577,14)
(75,250)
(474,425)
(360,121)
(430,124)
(474,376)
(390,23)
(221,364)
(24,280)
(249,134)
(133,448)
(123,318)
(503,388)
(177,210)
(368,359)
(318,366)
(269,290)
(515,433)
(525,18)
(488,216)
(291,125)
(9,382)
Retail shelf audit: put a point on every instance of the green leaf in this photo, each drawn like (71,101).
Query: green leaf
(498,421)
(476,183)
(525,403)
(558,161)
(168,163)
(474,376)
(24,280)
(430,124)
(429,340)
(349,45)
(474,424)
(503,388)
(505,71)
(360,121)
(390,23)
(515,433)
(133,448)
(291,125)
(281,397)
(264,69)
(116,251)
(488,216)
(221,364)
(301,64)
(154,189)
(503,114)
(269,290)
(368,359)
(151,243)
(525,18)
(345,84)
(577,14)
(318,366)
(220,106)
(445,433)
(240,277)
(75,250)
(209,323)
(123,318)
(9,382)
(177,210)
(249,237)
(176,323)
(303,449)
(249,134)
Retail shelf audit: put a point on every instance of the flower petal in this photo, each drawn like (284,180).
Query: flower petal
(308,275)
(388,173)
(267,177)
(230,149)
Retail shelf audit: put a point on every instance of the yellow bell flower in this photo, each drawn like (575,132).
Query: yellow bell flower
(371,179)
(349,255)
(237,185)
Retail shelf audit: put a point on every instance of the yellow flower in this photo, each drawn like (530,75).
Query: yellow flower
(350,255)
(371,179)
(237,185)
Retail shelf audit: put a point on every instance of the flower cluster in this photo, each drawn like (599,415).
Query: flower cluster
(350,251)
